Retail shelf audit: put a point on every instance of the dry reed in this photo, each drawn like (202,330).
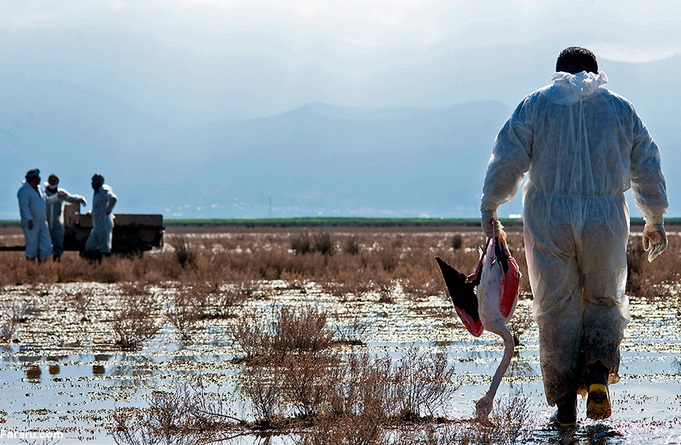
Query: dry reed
(11,317)
(349,264)
(292,371)
(291,331)
(136,321)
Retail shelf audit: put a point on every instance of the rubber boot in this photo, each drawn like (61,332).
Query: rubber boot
(566,414)
(598,401)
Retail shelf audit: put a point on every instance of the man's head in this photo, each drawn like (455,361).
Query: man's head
(33,177)
(576,59)
(53,180)
(97,181)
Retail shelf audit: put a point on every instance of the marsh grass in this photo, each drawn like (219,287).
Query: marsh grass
(423,382)
(185,253)
(652,280)
(292,330)
(83,301)
(326,398)
(137,320)
(350,330)
(348,264)
(9,323)
(509,423)
(184,313)
(172,418)
(293,370)
(295,375)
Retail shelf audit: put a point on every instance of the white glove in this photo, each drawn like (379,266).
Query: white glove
(486,218)
(654,240)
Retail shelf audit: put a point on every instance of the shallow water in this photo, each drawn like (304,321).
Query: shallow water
(65,376)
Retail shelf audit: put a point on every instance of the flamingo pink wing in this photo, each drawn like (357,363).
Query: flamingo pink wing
(509,287)
(474,326)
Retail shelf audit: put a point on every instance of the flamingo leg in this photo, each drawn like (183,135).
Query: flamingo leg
(484,406)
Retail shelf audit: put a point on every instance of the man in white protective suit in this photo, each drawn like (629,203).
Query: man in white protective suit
(32,208)
(55,214)
(582,147)
(98,243)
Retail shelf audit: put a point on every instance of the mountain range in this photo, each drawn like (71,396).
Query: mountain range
(316,159)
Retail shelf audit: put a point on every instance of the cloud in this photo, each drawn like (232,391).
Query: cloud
(203,58)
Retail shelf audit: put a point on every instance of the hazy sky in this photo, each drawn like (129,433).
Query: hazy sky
(83,80)
(621,29)
(254,57)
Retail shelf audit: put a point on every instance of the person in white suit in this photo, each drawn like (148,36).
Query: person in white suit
(98,243)
(55,214)
(581,146)
(33,210)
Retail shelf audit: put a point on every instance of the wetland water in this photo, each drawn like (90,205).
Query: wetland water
(62,375)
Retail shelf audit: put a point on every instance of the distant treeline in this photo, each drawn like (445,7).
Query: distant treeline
(328,222)
(359,222)
(342,222)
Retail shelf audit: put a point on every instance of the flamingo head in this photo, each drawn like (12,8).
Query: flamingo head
(483,407)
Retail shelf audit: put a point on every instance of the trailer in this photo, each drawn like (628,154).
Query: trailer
(133,234)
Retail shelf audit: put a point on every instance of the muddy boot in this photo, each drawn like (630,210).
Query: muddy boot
(566,414)
(598,400)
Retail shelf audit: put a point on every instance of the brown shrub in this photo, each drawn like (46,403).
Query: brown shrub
(355,430)
(351,245)
(11,317)
(171,418)
(351,329)
(301,242)
(651,280)
(422,383)
(136,321)
(300,330)
(291,331)
(185,253)
(457,241)
(184,312)
(306,379)
(262,388)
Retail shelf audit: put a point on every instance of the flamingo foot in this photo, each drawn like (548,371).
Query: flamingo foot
(483,408)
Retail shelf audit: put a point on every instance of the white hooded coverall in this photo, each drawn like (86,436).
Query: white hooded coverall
(32,202)
(582,147)
(55,217)
(100,237)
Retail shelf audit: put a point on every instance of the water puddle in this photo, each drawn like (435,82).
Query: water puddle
(65,376)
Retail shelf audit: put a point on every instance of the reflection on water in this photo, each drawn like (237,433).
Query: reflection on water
(599,434)
(520,368)
(98,367)
(33,373)
(66,369)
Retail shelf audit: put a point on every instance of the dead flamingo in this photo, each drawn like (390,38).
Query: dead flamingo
(496,278)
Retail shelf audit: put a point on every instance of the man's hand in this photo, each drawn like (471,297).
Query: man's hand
(654,240)
(29,224)
(486,222)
